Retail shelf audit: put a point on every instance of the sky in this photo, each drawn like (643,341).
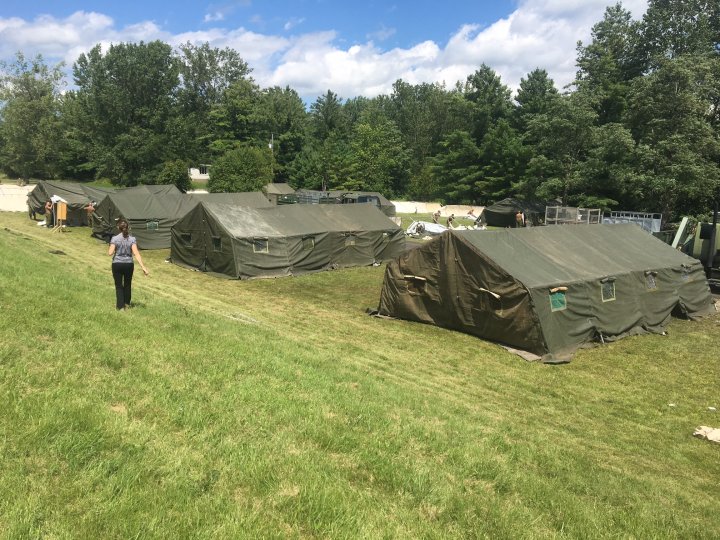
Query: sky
(352,48)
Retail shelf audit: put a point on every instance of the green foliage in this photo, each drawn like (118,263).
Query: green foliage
(243,169)
(176,173)
(456,169)
(29,125)
(378,160)
(125,97)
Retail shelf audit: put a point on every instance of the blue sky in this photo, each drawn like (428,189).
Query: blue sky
(352,48)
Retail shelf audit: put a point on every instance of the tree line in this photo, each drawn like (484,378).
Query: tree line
(638,129)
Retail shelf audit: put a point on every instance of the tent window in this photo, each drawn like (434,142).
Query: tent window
(152,225)
(217,243)
(558,301)
(415,284)
(308,243)
(186,239)
(350,240)
(650,281)
(685,275)
(607,290)
(261,245)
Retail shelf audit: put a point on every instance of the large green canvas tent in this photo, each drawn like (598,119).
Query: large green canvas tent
(150,211)
(502,213)
(546,290)
(242,242)
(77,196)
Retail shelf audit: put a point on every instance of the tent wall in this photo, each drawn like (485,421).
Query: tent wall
(447,283)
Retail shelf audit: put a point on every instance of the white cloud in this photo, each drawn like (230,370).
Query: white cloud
(382,34)
(213,17)
(539,33)
(292,23)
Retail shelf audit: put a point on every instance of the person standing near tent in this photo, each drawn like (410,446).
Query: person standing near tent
(519,219)
(49,213)
(123,248)
(436,216)
(450,221)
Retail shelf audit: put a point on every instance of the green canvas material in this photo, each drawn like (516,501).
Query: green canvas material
(499,285)
(300,238)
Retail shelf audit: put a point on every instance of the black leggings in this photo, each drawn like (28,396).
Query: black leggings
(122,274)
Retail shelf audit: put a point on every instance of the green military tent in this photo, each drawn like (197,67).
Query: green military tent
(242,242)
(502,213)
(76,195)
(546,290)
(150,210)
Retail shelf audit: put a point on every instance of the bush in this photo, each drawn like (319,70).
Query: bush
(175,172)
(243,169)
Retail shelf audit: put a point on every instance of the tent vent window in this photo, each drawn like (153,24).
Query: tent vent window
(152,225)
(260,245)
(217,243)
(415,284)
(308,243)
(186,239)
(650,281)
(350,240)
(607,290)
(558,301)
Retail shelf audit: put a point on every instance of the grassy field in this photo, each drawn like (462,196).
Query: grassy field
(277,408)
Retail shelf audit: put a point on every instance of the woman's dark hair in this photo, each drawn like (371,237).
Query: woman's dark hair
(123,227)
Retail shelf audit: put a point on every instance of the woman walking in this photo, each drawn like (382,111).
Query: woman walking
(122,249)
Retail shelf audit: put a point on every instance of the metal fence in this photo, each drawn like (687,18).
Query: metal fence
(571,215)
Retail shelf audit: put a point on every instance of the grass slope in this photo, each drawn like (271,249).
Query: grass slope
(277,408)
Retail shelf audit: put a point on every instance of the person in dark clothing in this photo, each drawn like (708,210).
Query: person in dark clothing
(123,248)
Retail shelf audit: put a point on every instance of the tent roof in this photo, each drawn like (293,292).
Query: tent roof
(76,194)
(511,206)
(297,219)
(151,202)
(246,198)
(554,255)
(339,194)
(278,189)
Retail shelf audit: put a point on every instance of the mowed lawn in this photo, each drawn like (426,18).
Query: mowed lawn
(278,408)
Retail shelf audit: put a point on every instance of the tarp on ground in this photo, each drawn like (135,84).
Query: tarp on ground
(502,213)
(77,196)
(546,290)
(243,242)
(347,197)
(150,210)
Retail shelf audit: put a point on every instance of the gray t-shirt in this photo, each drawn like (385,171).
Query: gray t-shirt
(123,248)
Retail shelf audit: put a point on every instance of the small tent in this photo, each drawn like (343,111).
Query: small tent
(502,213)
(76,195)
(150,211)
(243,242)
(274,192)
(546,290)
(346,197)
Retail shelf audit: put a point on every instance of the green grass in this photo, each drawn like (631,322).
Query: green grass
(277,408)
